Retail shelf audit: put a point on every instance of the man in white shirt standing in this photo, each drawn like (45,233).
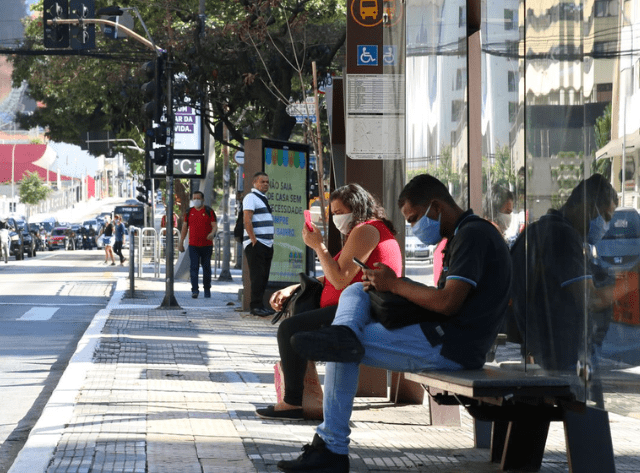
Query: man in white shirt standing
(257,241)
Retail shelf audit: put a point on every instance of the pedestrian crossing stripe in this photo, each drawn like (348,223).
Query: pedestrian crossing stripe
(39,313)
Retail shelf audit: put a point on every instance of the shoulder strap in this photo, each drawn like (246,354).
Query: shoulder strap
(263,199)
(209,211)
(186,218)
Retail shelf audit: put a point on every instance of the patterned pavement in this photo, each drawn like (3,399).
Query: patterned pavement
(155,390)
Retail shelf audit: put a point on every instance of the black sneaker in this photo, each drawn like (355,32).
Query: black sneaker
(317,458)
(334,343)
(207,294)
(194,294)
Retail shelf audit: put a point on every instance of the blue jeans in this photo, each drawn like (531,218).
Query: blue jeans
(200,256)
(403,349)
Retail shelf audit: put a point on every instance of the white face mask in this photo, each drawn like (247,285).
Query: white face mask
(343,222)
(196,203)
(505,219)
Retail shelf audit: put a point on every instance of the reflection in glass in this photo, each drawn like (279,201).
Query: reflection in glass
(560,94)
(436,92)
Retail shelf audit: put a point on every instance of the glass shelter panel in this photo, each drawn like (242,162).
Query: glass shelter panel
(560,171)
(436,89)
(503,155)
(560,82)
(613,43)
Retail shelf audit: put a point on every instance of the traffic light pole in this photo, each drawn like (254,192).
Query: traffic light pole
(101,21)
(169,301)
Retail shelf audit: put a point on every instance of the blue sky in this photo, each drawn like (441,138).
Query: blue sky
(29,2)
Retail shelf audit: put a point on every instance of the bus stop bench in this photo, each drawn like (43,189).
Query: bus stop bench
(519,408)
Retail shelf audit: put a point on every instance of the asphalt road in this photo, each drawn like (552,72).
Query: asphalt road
(46,304)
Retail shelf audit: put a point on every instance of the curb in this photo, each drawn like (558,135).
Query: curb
(37,452)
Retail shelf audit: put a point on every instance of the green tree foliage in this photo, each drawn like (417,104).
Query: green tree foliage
(602,130)
(603,127)
(498,170)
(244,64)
(32,189)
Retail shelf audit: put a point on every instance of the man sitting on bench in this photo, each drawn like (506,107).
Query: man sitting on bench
(470,302)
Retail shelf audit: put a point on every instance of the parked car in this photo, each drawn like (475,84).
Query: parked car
(47,224)
(619,249)
(104,216)
(92,223)
(414,248)
(22,241)
(63,238)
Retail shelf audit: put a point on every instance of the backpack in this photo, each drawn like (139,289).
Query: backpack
(238,230)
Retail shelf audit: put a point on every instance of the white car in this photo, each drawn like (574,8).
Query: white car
(414,248)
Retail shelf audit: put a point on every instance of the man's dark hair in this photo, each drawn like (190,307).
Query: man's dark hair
(198,192)
(422,189)
(258,174)
(595,191)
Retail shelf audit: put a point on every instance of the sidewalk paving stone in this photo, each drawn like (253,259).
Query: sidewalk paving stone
(176,391)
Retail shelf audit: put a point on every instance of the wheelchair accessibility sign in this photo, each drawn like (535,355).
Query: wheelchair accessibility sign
(389,55)
(367,55)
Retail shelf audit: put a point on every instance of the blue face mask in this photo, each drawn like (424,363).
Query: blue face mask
(427,230)
(597,229)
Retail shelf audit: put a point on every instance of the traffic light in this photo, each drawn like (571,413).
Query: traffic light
(152,90)
(144,192)
(83,36)
(55,36)
(158,150)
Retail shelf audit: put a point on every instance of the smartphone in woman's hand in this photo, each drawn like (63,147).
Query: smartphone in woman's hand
(307,220)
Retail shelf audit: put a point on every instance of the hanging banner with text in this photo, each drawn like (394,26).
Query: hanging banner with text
(287,165)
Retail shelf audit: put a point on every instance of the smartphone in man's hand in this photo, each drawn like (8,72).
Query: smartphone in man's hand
(360,263)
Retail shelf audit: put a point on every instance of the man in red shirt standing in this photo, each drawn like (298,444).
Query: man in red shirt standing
(201,224)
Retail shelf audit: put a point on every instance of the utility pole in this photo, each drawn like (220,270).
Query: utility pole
(225,272)
(169,301)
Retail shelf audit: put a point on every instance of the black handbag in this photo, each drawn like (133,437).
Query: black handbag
(303,299)
(394,311)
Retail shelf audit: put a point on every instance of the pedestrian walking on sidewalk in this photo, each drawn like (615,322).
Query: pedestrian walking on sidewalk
(200,223)
(107,239)
(257,241)
(119,236)
(4,241)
